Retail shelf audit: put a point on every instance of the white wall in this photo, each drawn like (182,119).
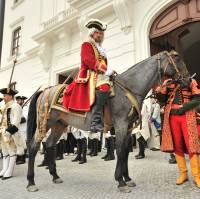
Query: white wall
(124,48)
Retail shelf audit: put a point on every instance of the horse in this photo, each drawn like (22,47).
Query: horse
(138,79)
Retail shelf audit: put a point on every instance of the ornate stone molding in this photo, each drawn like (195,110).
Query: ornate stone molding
(64,36)
(121,8)
(45,54)
(81,23)
(79,4)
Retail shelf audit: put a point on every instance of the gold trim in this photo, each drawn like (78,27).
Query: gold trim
(92,83)
(69,112)
(61,108)
(83,80)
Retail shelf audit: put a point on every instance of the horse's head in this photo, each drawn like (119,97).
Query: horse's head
(170,65)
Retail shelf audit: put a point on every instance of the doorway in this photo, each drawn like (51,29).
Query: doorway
(178,28)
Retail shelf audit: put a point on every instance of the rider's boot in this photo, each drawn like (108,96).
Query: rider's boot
(97,112)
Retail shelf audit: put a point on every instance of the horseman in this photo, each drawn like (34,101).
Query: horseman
(92,85)
(10,139)
(180,127)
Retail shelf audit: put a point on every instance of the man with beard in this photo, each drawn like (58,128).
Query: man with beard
(92,84)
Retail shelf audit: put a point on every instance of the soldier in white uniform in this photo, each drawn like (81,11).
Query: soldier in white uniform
(22,129)
(10,139)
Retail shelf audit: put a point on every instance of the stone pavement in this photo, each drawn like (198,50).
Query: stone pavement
(154,177)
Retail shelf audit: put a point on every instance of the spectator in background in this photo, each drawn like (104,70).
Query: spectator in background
(143,134)
(155,124)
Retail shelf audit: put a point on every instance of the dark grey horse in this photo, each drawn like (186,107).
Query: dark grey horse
(139,79)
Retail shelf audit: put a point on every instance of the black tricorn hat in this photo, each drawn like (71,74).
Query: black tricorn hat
(153,95)
(8,91)
(20,97)
(95,23)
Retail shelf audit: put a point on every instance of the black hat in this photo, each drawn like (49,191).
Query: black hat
(8,91)
(21,97)
(153,95)
(95,23)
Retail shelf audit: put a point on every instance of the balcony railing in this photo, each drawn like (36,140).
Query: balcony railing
(62,16)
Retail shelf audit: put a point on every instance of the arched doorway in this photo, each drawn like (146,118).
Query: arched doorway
(178,27)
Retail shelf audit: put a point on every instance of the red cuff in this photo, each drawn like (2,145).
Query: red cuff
(104,88)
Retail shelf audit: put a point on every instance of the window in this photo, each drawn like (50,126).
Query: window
(16,41)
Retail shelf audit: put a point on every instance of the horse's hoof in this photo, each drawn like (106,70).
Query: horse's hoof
(124,189)
(131,184)
(58,181)
(32,188)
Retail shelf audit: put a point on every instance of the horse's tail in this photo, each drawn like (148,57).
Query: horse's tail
(32,117)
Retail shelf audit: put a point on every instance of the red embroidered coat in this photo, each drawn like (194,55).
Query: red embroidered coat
(177,96)
(80,94)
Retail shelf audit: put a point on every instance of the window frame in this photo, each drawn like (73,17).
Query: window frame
(16,41)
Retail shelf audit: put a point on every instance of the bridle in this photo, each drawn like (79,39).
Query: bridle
(162,68)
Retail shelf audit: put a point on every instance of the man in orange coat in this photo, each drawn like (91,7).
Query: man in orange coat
(180,133)
(92,84)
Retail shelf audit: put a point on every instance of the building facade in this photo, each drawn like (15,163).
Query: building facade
(47,34)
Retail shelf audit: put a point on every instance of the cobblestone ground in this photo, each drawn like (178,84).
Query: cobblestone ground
(154,177)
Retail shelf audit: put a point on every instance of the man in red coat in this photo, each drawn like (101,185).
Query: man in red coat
(92,84)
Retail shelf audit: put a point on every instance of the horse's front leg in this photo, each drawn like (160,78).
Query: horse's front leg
(56,132)
(121,157)
(126,176)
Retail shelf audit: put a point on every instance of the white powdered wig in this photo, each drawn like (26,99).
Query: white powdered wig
(92,31)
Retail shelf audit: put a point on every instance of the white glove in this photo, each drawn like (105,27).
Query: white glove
(109,72)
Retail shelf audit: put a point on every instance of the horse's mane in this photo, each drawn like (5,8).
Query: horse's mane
(134,67)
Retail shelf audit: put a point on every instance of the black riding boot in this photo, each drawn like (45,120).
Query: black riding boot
(97,112)
(60,152)
(95,147)
(134,141)
(91,147)
(172,159)
(45,160)
(83,151)
(43,147)
(142,143)
(107,145)
(111,155)
(21,159)
(79,149)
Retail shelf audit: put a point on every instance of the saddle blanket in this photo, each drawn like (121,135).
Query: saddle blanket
(58,101)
